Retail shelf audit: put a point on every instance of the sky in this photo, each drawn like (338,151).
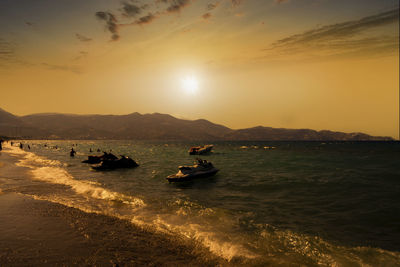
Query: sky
(317,64)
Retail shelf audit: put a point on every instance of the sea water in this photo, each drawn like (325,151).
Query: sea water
(271,203)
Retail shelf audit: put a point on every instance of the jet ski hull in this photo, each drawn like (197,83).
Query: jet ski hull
(188,177)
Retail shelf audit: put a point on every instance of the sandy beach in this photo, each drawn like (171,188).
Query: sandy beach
(37,233)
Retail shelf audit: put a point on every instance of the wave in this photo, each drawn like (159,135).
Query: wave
(52,171)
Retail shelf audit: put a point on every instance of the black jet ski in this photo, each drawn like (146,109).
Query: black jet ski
(112,164)
(97,159)
(202,168)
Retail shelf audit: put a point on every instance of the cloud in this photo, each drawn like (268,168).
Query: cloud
(133,8)
(67,68)
(351,37)
(236,2)
(146,19)
(7,51)
(111,23)
(175,5)
(81,54)
(212,6)
(340,30)
(206,15)
(130,9)
(9,55)
(29,23)
(82,38)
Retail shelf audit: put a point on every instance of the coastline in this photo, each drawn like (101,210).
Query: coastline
(39,232)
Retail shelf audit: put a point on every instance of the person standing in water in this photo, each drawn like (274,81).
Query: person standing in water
(72,153)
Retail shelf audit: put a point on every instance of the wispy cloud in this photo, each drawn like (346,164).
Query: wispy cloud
(81,54)
(206,16)
(146,19)
(131,9)
(7,51)
(346,37)
(175,5)
(111,23)
(82,38)
(134,9)
(236,2)
(9,54)
(73,69)
(212,6)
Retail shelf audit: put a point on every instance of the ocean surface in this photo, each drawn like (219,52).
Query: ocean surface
(271,203)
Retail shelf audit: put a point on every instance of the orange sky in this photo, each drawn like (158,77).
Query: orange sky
(295,64)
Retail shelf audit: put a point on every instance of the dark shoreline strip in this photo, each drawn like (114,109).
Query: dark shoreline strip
(41,232)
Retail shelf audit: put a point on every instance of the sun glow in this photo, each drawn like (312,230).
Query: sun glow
(190,84)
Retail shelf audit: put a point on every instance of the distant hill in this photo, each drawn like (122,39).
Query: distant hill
(136,126)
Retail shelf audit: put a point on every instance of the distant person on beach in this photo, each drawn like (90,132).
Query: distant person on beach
(21,146)
(72,153)
(1,142)
(90,150)
(29,147)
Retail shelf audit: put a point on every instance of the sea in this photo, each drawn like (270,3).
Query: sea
(271,203)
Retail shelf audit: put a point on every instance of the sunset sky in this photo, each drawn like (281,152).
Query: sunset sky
(319,64)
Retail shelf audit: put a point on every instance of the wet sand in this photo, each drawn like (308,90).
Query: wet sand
(37,233)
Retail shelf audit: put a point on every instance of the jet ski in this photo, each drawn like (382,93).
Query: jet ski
(97,159)
(112,164)
(202,168)
(199,150)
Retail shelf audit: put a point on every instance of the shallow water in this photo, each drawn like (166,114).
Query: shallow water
(279,203)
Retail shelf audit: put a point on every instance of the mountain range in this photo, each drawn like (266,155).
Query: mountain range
(156,126)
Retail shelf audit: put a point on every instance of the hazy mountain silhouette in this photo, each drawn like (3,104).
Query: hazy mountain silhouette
(154,126)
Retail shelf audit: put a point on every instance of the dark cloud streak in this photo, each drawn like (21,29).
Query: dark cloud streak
(347,38)
(176,5)
(340,30)
(236,2)
(82,38)
(206,16)
(146,19)
(111,23)
(72,69)
(130,9)
(7,50)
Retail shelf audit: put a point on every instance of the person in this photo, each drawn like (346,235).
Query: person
(21,146)
(29,147)
(72,153)
(1,142)
(90,150)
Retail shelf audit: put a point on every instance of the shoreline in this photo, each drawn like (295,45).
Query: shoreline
(39,232)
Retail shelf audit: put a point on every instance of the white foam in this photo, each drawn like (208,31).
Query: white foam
(52,171)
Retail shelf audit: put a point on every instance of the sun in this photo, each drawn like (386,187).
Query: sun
(190,84)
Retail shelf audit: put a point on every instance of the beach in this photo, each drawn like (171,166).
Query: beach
(41,233)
